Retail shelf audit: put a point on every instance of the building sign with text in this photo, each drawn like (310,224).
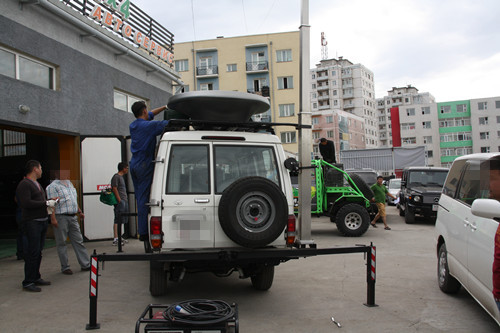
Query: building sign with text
(127,21)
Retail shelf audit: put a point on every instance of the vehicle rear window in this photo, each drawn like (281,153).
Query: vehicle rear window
(188,169)
(233,162)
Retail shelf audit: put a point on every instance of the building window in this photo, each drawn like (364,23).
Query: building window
(426,110)
(314,85)
(485,149)
(232,67)
(426,124)
(315,105)
(429,153)
(287,110)
(334,73)
(410,112)
(26,69)
(315,135)
(284,56)
(315,121)
(206,86)
(181,65)
(409,141)
(288,137)
(484,135)
(482,106)
(123,101)
(329,119)
(483,120)
(12,143)
(329,134)
(497,104)
(427,139)
(498,119)
(461,107)
(407,126)
(285,82)
(445,109)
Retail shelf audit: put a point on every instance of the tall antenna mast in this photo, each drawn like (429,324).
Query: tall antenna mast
(324,47)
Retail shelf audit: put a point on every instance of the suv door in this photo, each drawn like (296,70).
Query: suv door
(481,232)
(188,214)
(451,223)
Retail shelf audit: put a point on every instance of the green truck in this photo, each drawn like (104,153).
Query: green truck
(343,197)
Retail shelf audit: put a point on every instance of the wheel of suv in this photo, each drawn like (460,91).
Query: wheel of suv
(253,211)
(157,279)
(363,187)
(409,216)
(263,280)
(352,220)
(447,283)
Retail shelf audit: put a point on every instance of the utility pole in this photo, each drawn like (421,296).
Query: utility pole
(305,134)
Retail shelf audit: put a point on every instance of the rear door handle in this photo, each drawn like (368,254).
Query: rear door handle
(202,200)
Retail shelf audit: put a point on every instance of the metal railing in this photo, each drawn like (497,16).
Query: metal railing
(254,66)
(207,70)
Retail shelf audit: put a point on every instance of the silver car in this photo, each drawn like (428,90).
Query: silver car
(466,228)
(394,187)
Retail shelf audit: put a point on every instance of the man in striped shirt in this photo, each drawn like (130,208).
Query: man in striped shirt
(65,222)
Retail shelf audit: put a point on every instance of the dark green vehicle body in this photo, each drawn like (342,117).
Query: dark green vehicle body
(340,196)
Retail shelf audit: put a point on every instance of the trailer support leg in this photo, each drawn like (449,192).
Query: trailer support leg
(371,276)
(94,273)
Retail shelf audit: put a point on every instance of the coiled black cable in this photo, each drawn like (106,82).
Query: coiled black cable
(199,312)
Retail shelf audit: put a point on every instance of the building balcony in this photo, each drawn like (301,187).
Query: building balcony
(207,71)
(323,98)
(322,78)
(324,107)
(258,66)
(348,95)
(320,88)
(264,91)
(348,105)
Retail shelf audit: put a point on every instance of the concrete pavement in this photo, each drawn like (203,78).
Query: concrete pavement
(306,292)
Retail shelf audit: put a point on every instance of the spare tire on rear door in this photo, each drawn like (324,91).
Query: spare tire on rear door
(253,211)
(362,186)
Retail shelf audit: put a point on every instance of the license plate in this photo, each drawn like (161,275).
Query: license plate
(435,208)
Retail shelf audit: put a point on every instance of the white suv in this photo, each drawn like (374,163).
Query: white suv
(220,186)
(466,228)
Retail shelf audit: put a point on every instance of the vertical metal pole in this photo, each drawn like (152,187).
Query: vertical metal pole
(305,135)
(370,276)
(94,273)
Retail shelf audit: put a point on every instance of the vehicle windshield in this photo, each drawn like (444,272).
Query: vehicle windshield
(395,184)
(427,178)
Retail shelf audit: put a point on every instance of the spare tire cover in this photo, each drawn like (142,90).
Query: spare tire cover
(253,211)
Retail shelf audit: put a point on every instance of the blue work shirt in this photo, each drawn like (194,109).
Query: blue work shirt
(143,134)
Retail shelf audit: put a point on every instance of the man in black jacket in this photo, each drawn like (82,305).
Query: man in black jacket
(327,150)
(34,219)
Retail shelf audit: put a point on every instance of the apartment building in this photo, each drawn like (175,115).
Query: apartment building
(485,121)
(343,128)
(266,64)
(339,84)
(396,98)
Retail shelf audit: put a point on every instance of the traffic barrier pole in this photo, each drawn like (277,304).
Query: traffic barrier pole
(94,273)
(371,276)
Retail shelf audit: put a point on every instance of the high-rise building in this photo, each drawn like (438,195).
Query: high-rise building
(342,89)
(266,64)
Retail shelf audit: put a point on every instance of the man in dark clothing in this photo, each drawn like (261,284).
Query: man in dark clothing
(143,133)
(34,218)
(327,150)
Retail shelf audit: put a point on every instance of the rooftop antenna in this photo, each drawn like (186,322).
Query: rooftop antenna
(324,47)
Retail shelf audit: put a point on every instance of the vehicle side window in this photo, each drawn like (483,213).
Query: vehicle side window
(469,189)
(450,186)
(234,162)
(188,170)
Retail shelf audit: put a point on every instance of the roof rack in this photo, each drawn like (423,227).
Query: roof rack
(202,125)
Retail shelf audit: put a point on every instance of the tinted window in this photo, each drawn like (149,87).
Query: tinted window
(450,187)
(234,162)
(395,184)
(188,170)
(426,178)
(469,189)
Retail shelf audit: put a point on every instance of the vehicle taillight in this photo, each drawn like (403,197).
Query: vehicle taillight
(290,230)
(155,234)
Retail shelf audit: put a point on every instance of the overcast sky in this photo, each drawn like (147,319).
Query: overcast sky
(450,48)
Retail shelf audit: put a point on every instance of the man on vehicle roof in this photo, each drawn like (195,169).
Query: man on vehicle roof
(143,132)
